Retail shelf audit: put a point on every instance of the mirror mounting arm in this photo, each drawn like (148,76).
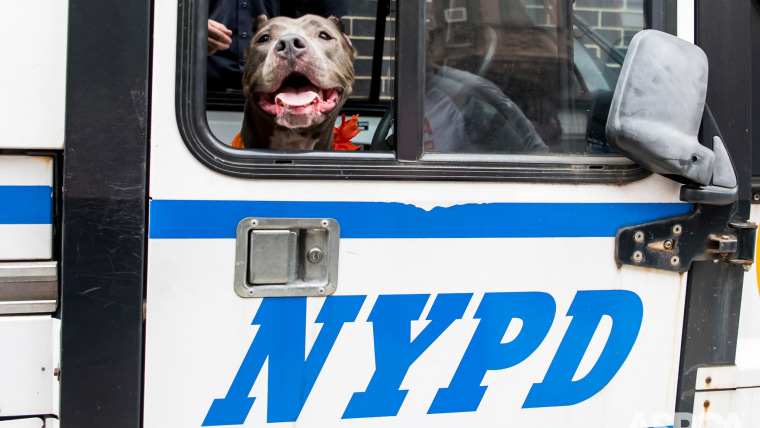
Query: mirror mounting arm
(724,189)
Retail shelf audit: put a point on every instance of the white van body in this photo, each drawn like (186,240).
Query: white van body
(458,303)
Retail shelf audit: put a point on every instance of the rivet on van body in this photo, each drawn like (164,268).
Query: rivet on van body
(675,260)
(668,244)
(638,256)
(677,229)
(639,236)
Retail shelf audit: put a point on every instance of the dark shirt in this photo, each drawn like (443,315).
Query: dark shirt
(225,68)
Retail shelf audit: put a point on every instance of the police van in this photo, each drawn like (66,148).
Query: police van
(549,222)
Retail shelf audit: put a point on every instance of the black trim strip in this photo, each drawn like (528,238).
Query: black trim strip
(755,132)
(661,15)
(713,300)
(383,9)
(410,78)
(104,213)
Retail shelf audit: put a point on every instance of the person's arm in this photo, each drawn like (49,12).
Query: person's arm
(218,37)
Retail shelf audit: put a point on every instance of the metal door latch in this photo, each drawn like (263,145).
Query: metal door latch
(674,243)
(286,257)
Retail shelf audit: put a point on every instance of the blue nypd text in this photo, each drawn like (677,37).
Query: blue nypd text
(281,338)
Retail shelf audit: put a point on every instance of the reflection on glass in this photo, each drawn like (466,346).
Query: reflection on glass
(523,76)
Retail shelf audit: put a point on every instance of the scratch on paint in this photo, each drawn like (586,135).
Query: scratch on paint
(90,290)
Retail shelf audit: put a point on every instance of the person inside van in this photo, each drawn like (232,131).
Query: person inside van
(465,112)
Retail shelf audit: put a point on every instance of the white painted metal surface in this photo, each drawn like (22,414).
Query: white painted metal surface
(685,20)
(210,331)
(19,170)
(26,203)
(25,241)
(199,332)
(33,76)
(748,345)
(736,408)
(31,346)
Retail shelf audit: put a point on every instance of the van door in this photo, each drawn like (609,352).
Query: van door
(460,272)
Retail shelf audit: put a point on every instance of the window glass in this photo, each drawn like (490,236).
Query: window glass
(361,27)
(523,76)
(227,63)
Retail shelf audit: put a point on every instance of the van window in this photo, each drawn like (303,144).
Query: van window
(443,89)
(523,76)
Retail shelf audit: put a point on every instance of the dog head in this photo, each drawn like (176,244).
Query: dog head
(298,72)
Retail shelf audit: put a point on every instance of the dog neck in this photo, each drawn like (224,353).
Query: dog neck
(260,131)
(292,139)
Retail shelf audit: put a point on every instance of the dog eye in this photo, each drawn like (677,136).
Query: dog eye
(324,36)
(263,39)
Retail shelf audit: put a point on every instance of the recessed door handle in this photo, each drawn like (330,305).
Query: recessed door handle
(286,257)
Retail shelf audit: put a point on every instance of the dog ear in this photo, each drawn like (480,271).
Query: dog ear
(258,22)
(339,25)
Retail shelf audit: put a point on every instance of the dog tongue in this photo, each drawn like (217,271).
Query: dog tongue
(297,96)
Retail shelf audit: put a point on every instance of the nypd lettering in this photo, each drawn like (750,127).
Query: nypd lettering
(281,339)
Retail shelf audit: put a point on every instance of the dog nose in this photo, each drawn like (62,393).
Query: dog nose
(291,46)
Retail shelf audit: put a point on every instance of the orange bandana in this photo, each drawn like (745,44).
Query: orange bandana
(342,134)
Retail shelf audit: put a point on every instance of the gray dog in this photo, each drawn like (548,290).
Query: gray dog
(298,74)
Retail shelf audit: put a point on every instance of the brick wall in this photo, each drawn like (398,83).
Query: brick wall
(360,27)
(615,20)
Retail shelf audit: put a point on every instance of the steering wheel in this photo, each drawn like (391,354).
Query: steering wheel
(492,39)
(384,139)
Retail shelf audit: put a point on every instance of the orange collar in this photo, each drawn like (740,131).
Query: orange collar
(342,134)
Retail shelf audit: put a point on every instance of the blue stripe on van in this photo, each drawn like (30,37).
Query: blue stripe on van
(179,219)
(26,204)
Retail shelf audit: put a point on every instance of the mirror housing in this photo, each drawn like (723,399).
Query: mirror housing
(656,112)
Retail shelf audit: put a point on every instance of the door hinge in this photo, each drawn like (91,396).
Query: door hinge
(674,243)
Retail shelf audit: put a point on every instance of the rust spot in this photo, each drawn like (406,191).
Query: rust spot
(707,404)
(708,380)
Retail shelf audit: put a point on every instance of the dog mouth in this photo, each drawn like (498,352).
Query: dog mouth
(297,95)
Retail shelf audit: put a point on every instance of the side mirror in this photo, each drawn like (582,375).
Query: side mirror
(656,112)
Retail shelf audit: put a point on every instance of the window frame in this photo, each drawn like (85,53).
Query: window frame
(406,163)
